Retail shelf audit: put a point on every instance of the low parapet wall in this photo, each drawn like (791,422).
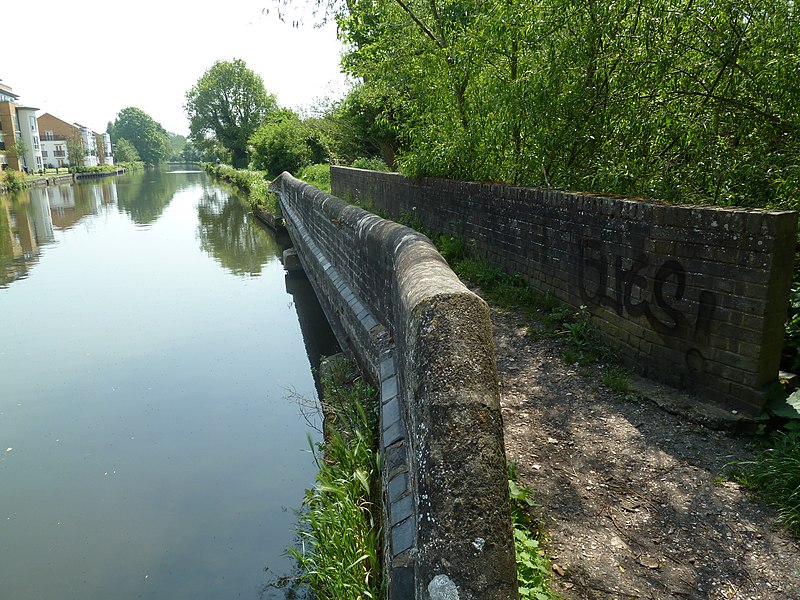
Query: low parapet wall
(692,296)
(426,340)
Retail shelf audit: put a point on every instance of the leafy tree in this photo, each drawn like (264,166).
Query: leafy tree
(75,152)
(20,150)
(226,105)
(688,100)
(125,152)
(177,143)
(191,153)
(146,135)
(371,123)
(281,144)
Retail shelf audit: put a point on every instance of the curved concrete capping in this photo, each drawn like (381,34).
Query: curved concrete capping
(426,341)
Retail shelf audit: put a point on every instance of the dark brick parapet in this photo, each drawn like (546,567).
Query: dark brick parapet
(693,296)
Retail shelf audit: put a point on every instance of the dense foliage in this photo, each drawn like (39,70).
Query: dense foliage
(281,144)
(147,136)
(124,151)
(686,100)
(226,106)
(13,180)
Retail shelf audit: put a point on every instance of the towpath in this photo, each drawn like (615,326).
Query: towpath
(632,497)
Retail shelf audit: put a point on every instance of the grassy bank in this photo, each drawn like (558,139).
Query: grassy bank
(338,553)
(255,184)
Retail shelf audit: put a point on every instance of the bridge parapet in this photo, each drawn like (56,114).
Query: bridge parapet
(426,340)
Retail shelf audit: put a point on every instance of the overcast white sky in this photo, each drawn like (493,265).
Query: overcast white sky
(84,61)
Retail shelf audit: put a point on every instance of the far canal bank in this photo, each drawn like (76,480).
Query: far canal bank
(62,178)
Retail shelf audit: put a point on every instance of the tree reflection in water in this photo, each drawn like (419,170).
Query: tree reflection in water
(228,233)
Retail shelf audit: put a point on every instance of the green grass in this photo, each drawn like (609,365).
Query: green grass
(775,475)
(339,537)
(616,379)
(253,183)
(317,175)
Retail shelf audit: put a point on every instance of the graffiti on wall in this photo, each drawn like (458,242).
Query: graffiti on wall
(637,286)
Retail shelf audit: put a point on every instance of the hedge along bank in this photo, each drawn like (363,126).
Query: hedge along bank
(693,296)
(426,341)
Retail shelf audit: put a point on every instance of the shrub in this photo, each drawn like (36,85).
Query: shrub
(15,181)
(371,164)
(318,175)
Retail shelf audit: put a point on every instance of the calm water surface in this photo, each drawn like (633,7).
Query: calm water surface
(150,445)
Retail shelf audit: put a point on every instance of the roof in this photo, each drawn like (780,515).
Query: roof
(7,90)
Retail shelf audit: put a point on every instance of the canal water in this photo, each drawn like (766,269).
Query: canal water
(156,393)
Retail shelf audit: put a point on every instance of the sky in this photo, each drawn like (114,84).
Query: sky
(84,61)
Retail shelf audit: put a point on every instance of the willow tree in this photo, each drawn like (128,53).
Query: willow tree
(226,106)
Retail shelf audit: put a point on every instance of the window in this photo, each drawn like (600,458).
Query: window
(44,153)
(33,123)
(48,135)
(36,142)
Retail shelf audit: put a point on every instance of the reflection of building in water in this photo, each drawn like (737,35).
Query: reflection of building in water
(25,224)
(62,205)
(42,219)
(108,188)
(28,220)
(94,195)
(70,203)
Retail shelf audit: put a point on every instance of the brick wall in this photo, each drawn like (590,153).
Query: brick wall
(692,296)
(426,341)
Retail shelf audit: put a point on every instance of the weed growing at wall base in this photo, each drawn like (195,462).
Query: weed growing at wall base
(533,569)
(775,475)
(338,553)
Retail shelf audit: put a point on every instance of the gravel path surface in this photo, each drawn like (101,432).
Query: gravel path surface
(631,496)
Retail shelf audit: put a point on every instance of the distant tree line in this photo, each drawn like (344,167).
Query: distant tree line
(137,137)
